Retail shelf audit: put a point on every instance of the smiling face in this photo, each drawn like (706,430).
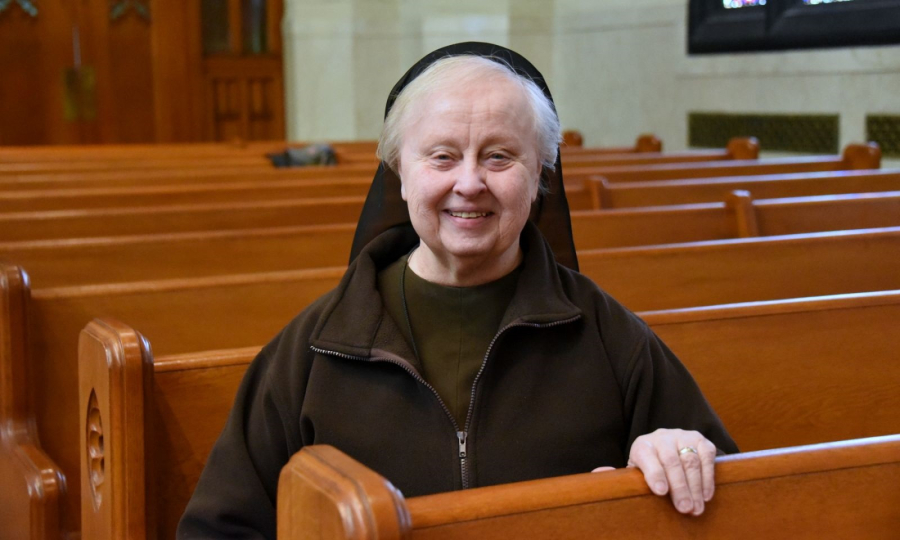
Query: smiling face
(469,168)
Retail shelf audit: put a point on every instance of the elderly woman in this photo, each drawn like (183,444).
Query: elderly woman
(459,350)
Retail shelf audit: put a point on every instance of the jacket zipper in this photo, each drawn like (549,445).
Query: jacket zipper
(462,437)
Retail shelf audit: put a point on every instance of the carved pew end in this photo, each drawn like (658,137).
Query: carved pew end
(648,142)
(572,137)
(743,148)
(740,204)
(350,500)
(862,156)
(112,361)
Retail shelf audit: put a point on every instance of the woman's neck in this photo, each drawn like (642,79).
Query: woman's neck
(463,272)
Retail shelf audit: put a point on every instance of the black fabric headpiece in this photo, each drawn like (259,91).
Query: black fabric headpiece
(385,209)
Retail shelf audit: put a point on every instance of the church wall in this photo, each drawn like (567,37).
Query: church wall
(617,68)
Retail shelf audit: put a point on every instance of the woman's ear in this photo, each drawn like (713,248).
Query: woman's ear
(399,170)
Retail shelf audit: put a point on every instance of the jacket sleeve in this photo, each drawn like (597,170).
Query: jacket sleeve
(659,392)
(235,497)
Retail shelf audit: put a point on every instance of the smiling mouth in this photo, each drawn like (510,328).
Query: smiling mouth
(468,215)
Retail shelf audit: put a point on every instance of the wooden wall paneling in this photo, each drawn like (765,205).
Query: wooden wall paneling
(120,48)
(177,63)
(245,97)
(35,51)
(235,42)
(131,71)
(274,14)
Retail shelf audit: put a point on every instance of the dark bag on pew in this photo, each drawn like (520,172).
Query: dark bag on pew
(313,154)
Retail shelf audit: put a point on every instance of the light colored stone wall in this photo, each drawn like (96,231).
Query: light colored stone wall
(616,67)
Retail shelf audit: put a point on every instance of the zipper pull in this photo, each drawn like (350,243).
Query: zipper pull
(461,435)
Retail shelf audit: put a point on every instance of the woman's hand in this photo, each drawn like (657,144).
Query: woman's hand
(680,463)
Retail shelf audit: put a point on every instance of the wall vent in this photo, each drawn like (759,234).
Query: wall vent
(804,133)
(885,130)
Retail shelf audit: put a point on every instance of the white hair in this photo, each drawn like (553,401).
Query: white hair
(457,70)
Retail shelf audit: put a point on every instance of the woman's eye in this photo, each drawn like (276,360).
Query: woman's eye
(498,157)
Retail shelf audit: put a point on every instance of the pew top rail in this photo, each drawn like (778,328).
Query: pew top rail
(351,501)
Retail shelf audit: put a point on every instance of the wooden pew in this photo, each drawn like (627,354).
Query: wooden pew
(205,193)
(854,157)
(15,191)
(234,186)
(21,226)
(107,152)
(185,395)
(162,219)
(269,300)
(575,144)
(669,192)
(177,177)
(54,316)
(186,162)
(838,490)
(739,148)
(126,152)
(53,263)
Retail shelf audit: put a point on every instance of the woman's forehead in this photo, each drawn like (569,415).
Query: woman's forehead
(482,101)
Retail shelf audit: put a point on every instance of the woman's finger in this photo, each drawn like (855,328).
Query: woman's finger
(693,473)
(707,452)
(679,490)
(644,457)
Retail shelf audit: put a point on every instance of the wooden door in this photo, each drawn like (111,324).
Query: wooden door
(242,83)
(39,53)
(130,71)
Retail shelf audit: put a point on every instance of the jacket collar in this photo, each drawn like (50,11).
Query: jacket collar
(355,322)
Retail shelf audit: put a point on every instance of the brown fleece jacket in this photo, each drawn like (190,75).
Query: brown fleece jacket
(570,380)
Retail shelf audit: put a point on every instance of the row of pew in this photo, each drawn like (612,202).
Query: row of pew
(133,300)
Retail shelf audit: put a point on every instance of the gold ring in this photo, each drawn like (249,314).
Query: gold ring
(687,449)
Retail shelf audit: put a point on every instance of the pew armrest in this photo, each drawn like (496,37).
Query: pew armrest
(332,496)
(31,484)
(862,156)
(114,364)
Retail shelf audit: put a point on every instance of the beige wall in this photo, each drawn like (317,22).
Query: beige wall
(616,67)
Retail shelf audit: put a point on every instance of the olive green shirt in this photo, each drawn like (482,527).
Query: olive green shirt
(449,328)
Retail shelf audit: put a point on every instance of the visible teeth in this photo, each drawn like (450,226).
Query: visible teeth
(468,215)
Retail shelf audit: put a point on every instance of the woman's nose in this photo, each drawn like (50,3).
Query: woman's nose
(470,180)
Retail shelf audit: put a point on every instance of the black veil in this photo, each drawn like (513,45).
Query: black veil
(385,209)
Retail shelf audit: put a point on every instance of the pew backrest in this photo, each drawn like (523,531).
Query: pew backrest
(606,194)
(768,393)
(854,157)
(80,261)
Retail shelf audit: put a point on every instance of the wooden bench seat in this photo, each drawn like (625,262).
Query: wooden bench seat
(773,389)
(78,261)
(657,193)
(838,490)
(247,310)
